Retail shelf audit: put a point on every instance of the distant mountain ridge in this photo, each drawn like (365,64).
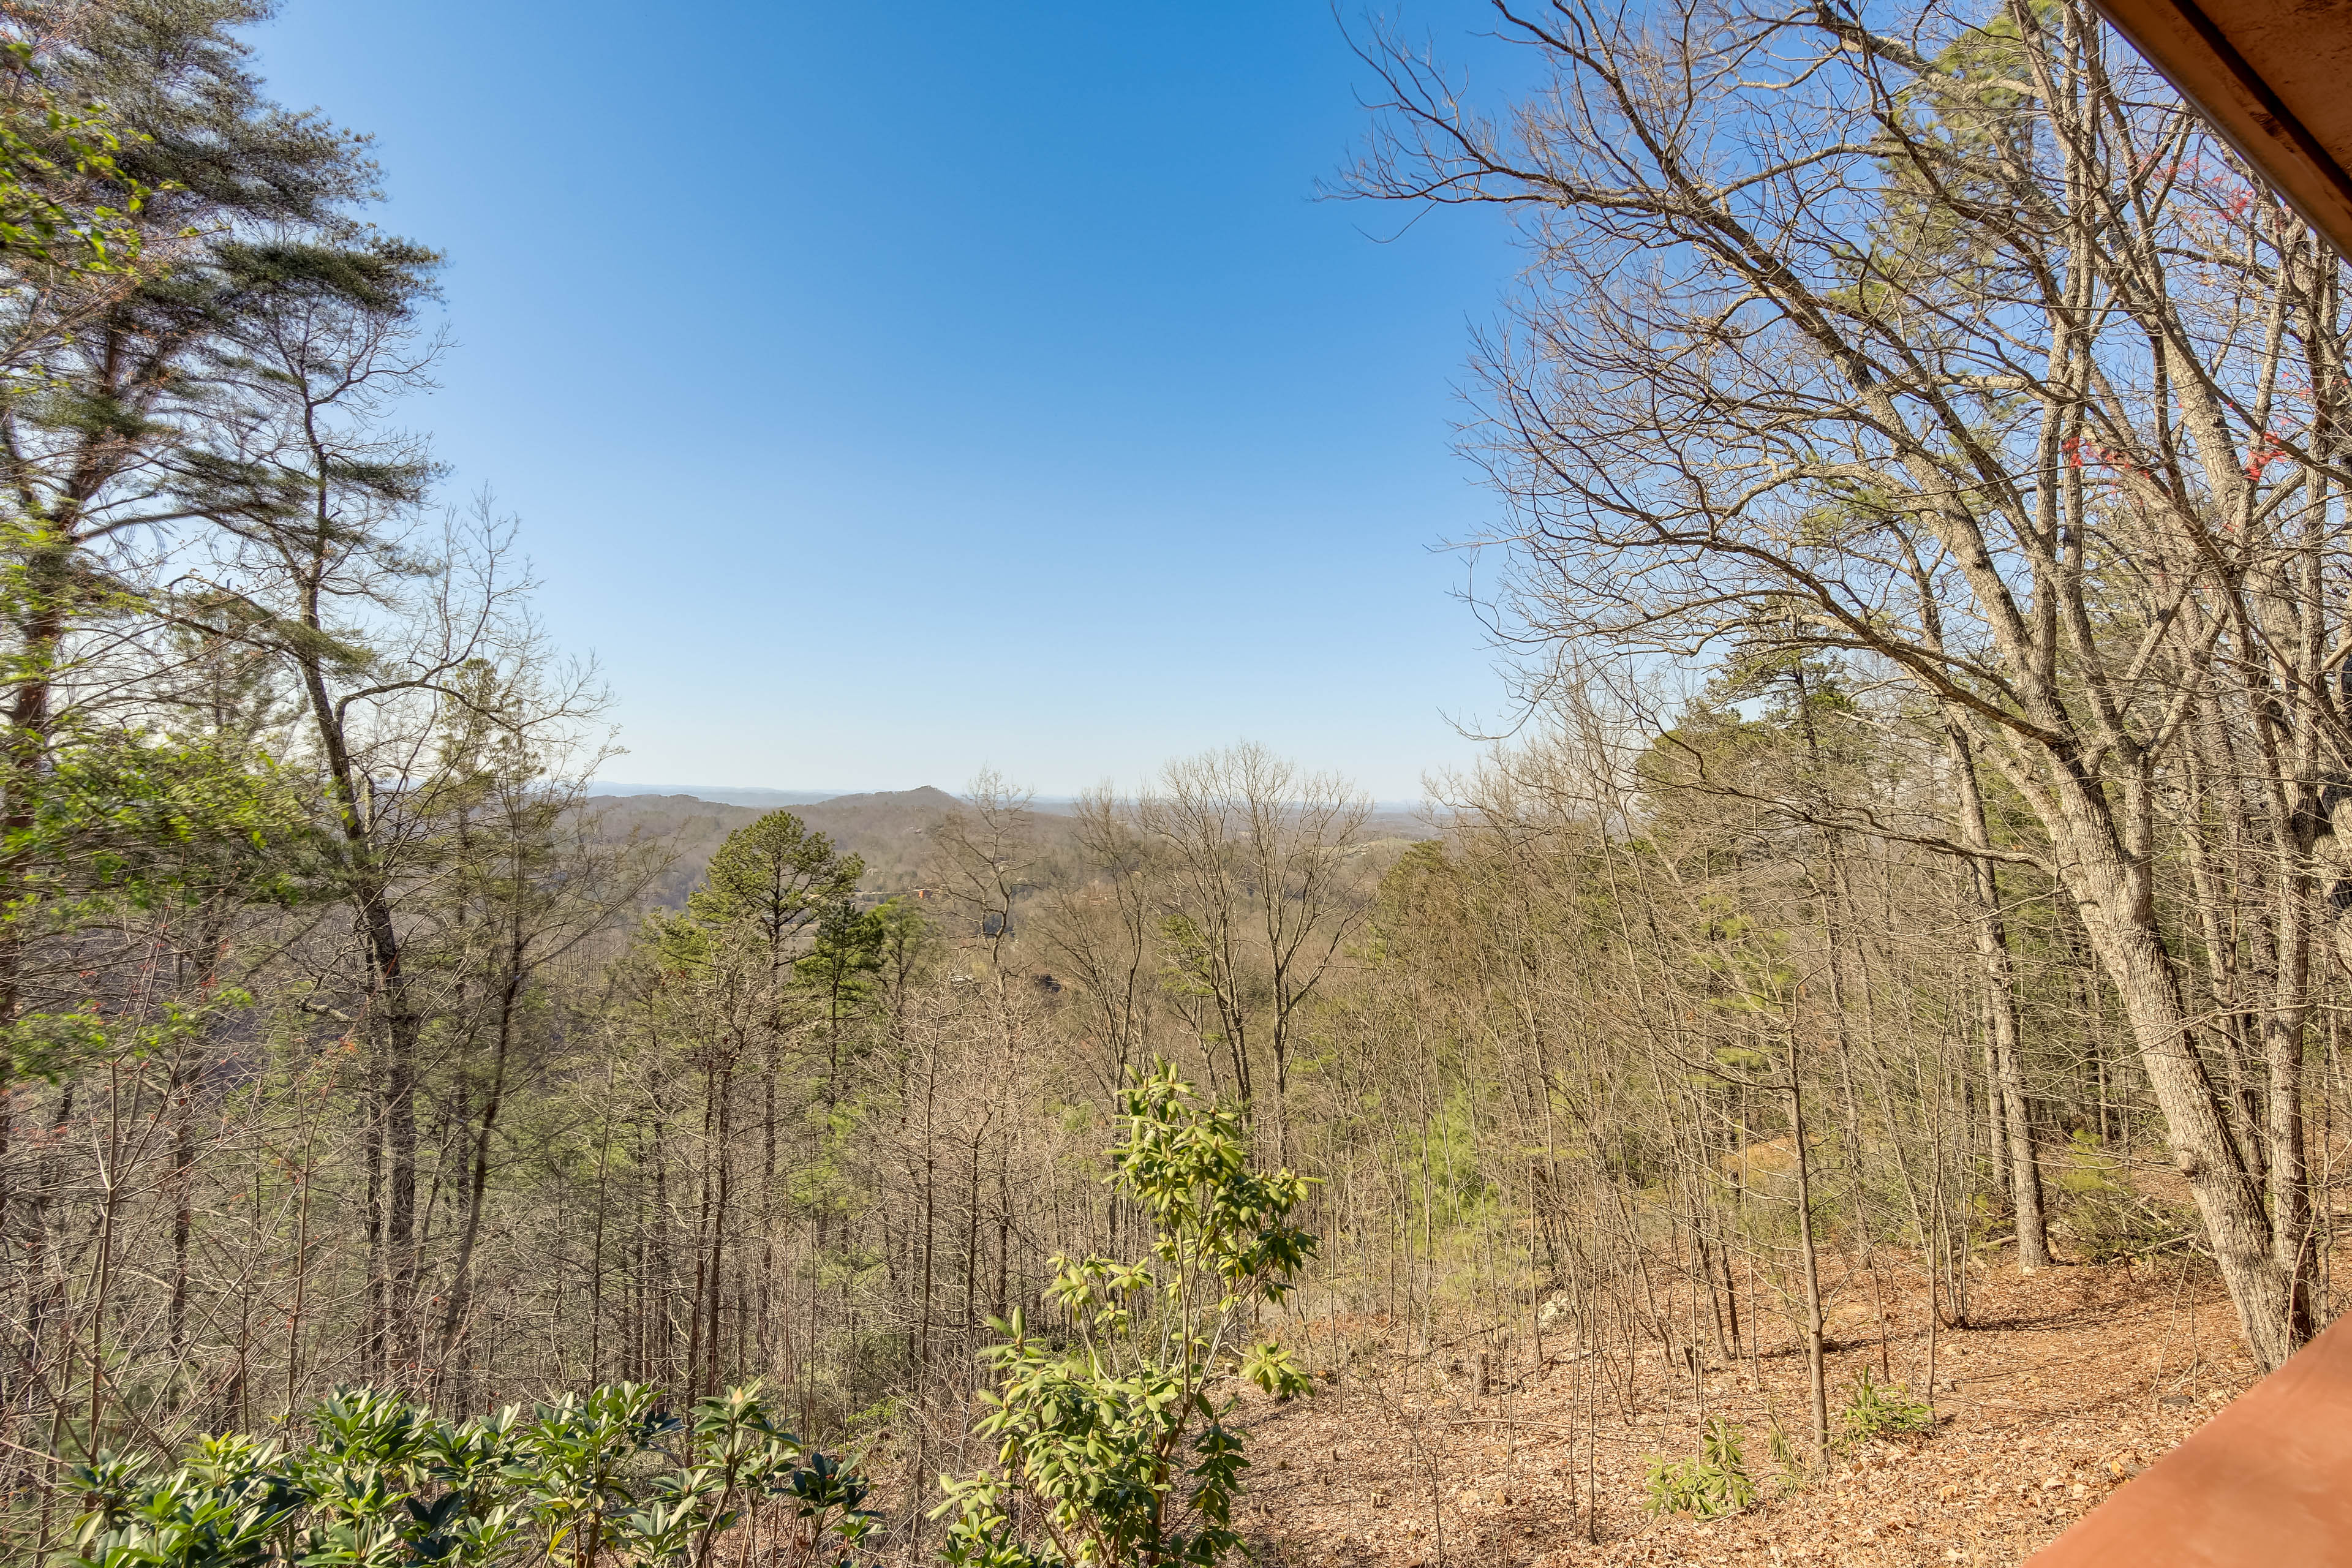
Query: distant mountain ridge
(922,797)
(1386,814)
(888,829)
(722,795)
(774,799)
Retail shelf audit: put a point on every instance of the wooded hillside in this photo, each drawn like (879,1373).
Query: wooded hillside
(887,831)
(1920,865)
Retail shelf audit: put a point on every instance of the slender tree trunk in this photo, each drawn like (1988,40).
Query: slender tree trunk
(1817,1383)
(2284,1025)
(184,1218)
(2011,1114)
(718,1223)
(477,1185)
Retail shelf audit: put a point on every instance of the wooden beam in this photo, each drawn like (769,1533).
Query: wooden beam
(2274,76)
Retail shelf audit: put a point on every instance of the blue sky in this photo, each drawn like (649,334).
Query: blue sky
(888,391)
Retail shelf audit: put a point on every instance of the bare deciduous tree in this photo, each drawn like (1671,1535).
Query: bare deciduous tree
(1261,888)
(1949,341)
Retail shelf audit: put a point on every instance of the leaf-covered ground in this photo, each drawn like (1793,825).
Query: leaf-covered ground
(2071,1382)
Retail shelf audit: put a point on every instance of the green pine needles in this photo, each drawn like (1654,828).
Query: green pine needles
(1111,1446)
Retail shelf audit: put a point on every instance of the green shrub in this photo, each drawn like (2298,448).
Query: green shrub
(1710,1485)
(1112,1452)
(1874,1409)
(606,1478)
(1782,1445)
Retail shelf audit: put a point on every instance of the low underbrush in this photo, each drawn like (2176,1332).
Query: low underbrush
(607,1477)
(1713,1483)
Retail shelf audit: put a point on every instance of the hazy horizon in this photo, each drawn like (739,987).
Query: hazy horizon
(1112,446)
(766,795)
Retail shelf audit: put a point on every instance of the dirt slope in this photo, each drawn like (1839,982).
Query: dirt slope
(2075,1379)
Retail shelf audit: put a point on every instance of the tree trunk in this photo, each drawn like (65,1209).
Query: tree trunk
(2119,916)
(478,1185)
(1817,1383)
(2011,1113)
(2284,1023)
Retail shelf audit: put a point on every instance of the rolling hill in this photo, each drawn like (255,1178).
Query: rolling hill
(888,829)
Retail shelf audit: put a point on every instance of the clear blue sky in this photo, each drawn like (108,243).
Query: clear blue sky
(892,390)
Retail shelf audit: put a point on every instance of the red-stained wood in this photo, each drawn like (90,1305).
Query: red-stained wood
(2265,1484)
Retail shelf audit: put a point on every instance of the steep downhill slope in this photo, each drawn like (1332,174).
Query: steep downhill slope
(2072,1380)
